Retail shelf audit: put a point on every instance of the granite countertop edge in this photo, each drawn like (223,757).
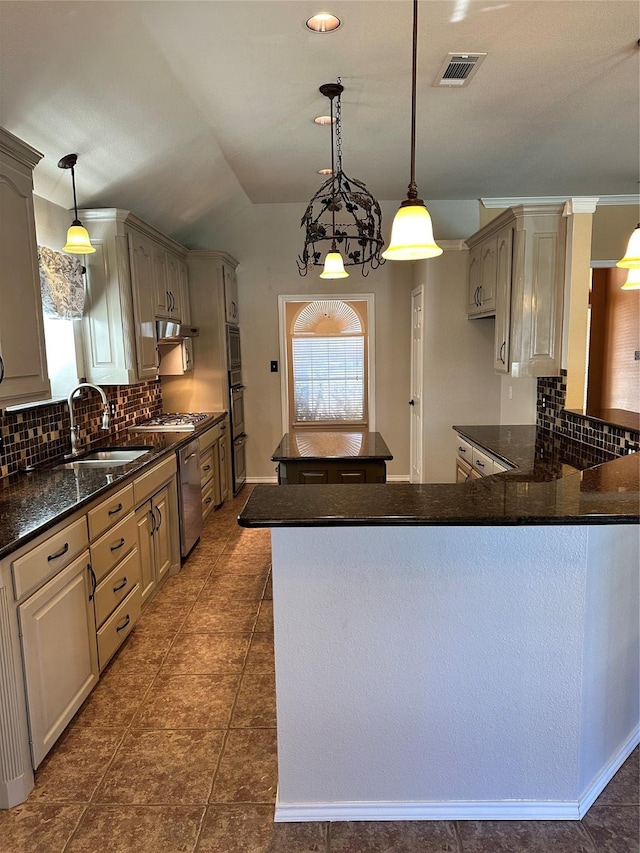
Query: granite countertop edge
(19,492)
(535,491)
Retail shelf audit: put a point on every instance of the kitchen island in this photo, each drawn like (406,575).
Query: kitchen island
(321,457)
(455,651)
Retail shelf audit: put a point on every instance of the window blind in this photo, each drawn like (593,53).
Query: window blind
(328,378)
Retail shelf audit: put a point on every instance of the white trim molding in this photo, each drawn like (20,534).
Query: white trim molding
(459,810)
(632,198)
(262,481)
(580,205)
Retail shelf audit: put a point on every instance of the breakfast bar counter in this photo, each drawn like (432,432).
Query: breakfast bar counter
(453,652)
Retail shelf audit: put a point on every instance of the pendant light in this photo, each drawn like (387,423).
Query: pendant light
(633,280)
(355,239)
(631,258)
(78,242)
(412,231)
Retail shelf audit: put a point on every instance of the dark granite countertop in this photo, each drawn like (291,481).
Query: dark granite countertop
(542,488)
(33,503)
(323,444)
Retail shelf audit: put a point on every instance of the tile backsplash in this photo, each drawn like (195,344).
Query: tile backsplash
(599,437)
(39,433)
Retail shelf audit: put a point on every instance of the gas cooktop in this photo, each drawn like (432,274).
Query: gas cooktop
(172,422)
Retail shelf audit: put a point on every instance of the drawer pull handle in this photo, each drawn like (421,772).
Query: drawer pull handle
(462,450)
(159,518)
(60,553)
(121,585)
(208,500)
(207,467)
(124,624)
(115,509)
(94,581)
(479,463)
(119,545)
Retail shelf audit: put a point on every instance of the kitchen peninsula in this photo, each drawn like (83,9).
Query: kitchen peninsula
(455,651)
(313,457)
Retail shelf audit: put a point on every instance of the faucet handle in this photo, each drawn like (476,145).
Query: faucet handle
(106,418)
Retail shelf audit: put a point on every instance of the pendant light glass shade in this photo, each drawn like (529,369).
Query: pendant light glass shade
(412,234)
(631,258)
(78,242)
(333,266)
(633,280)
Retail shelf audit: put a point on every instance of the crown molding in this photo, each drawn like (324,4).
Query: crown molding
(631,198)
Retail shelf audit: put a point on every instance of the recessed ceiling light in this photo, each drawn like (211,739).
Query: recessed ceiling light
(324,23)
(324,120)
(325,171)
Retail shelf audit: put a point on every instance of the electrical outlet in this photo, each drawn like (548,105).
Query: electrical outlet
(274,366)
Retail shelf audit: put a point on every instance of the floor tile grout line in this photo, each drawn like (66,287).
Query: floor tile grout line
(75,828)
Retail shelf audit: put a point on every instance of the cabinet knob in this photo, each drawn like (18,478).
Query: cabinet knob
(412,402)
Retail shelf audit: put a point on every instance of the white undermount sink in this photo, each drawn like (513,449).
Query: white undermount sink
(108,457)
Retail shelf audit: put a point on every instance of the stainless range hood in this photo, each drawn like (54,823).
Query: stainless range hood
(167,331)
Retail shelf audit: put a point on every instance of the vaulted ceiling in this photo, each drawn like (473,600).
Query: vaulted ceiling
(186,111)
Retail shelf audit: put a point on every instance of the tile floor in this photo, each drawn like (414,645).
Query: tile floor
(175,749)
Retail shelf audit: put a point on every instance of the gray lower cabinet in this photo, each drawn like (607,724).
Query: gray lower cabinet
(58,635)
(333,471)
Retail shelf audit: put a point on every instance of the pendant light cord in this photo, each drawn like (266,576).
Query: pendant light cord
(333,187)
(75,203)
(413,189)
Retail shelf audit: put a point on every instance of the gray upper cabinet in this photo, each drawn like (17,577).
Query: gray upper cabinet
(136,276)
(527,247)
(23,363)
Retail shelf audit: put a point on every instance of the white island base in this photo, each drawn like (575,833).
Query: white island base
(451,673)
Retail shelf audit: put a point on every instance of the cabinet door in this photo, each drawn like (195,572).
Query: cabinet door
(146,525)
(23,363)
(223,457)
(230,294)
(488,274)
(162,535)
(163,300)
(59,650)
(174,296)
(143,270)
(501,361)
(473,304)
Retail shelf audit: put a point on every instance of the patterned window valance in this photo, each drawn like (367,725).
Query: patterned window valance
(61,284)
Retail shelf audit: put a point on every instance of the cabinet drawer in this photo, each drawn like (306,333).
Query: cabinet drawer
(208,499)
(205,441)
(113,546)
(464,450)
(30,570)
(118,626)
(482,463)
(499,467)
(153,480)
(110,511)
(117,585)
(206,467)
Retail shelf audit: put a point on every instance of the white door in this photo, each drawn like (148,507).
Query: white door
(415,424)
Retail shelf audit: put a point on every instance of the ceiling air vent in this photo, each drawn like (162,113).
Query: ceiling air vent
(458,69)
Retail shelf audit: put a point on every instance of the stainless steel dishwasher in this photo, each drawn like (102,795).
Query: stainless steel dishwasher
(190,497)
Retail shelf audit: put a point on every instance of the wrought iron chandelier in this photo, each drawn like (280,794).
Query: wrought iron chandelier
(343,220)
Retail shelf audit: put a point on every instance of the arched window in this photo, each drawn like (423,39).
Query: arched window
(327,354)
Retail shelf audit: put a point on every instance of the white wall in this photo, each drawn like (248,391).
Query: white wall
(460,386)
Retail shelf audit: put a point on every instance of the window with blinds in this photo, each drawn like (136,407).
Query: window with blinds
(327,345)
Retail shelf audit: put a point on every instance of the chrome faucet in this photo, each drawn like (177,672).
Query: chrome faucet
(74,427)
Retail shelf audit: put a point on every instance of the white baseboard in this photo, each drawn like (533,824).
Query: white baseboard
(461,810)
(602,779)
(262,481)
(397,478)
(508,810)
